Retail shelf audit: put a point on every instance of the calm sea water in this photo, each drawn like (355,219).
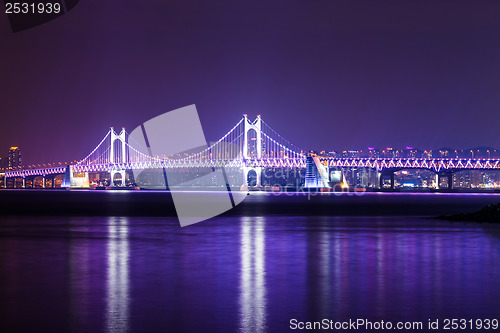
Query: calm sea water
(242,273)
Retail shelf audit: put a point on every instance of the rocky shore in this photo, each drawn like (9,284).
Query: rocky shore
(490,213)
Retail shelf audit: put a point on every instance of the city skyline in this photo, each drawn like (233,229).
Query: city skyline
(327,75)
(370,152)
(263,149)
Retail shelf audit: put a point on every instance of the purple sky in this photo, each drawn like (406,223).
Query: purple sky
(324,74)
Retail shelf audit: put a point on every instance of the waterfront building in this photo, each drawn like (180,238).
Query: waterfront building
(15,161)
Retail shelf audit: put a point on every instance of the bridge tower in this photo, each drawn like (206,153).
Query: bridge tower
(383,174)
(257,127)
(448,175)
(120,159)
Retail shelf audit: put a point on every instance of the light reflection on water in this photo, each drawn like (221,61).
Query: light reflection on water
(325,273)
(247,274)
(252,285)
(118,297)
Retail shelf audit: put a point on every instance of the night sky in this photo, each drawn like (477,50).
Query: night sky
(324,74)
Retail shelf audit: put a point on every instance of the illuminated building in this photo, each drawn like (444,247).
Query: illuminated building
(15,161)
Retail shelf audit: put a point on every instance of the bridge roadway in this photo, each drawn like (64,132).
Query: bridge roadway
(380,164)
(444,167)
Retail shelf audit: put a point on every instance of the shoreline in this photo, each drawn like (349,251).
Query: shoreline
(160,203)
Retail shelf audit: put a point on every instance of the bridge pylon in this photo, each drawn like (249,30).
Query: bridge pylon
(448,176)
(382,176)
(115,158)
(257,127)
(122,138)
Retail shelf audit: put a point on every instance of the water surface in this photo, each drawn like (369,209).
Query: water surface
(241,273)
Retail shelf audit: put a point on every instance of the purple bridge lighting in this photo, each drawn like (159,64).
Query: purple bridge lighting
(249,145)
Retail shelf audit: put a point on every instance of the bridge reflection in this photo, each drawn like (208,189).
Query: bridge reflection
(252,277)
(118,299)
(242,274)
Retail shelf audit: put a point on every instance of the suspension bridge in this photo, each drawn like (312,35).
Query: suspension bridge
(251,146)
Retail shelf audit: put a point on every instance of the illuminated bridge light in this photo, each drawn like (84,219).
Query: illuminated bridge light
(276,152)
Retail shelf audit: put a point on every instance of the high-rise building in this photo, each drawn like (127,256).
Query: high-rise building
(15,161)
